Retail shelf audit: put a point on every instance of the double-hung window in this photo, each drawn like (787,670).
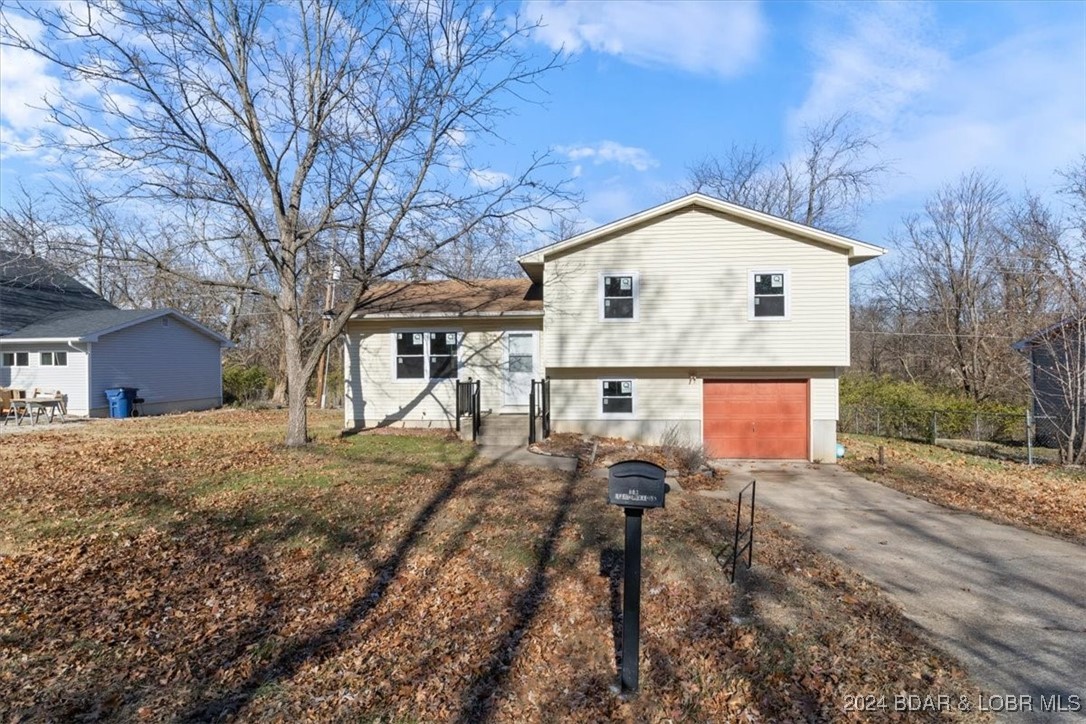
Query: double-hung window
(617,397)
(618,295)
(426,355)
(769,294)
(16,359)
(54,359)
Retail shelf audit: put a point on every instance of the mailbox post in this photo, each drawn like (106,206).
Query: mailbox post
(637,486)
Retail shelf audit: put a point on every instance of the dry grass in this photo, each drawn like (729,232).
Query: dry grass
(1044,498)
(190,568)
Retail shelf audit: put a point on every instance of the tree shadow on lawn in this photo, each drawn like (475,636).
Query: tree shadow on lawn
(319,646)
(389,627)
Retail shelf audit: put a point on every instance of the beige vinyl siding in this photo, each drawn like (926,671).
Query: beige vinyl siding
(693,307)
(824,397)
(70,379)
(175,367)
(373,396)
(667,398)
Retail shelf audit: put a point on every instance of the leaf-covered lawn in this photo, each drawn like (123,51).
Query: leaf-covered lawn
(190,568)
(1042,497)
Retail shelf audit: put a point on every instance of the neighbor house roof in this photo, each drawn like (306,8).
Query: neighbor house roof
(89,326)
(450,298)
(857,250)
(31,289)
(1024,344)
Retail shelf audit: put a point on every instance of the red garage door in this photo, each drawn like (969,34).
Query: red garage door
(763,419)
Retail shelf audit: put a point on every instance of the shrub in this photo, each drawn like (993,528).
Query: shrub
(688,456)
(906,408)
(241,384)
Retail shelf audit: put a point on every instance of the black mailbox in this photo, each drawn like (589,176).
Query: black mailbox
(636,484)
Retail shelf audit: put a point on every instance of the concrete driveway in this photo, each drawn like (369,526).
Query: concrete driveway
(1009,604)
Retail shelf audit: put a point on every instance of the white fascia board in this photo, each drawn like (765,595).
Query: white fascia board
(42,340)
(441,315)
(858,250)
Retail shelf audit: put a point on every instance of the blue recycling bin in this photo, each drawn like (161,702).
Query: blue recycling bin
(120,400)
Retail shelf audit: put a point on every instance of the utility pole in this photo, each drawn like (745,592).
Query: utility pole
(322,365)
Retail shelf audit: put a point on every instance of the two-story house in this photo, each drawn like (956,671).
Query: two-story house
(726,325)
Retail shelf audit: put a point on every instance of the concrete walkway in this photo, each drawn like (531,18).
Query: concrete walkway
(519,455)
(1009,604)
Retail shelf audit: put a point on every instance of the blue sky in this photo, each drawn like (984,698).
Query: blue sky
(649,88)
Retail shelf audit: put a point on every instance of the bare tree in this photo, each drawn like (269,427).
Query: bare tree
(1058,353)
(823,185)
(293,132)
(952,251)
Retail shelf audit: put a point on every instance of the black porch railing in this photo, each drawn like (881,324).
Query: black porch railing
(746,535)
(467,404)
(539,410)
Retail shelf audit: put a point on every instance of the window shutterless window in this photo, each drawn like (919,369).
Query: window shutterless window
(426,355)
(618,295)
(443,356)
(769,295)
(617,397)
(16,359)
(54,359)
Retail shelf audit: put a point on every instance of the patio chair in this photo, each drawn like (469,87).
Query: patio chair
(6,408)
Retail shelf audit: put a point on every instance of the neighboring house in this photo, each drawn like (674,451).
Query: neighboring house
(89,345)
(1057,358)
(698,317)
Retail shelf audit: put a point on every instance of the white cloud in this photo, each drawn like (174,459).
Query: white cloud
(718,38)
(609,152)
(487,179)
(1015,108)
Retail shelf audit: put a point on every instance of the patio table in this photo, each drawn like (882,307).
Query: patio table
(34,407)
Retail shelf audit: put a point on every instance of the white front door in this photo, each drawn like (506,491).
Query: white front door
(520,352)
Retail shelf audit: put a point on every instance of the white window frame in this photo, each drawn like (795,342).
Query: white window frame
(636,276)
(425,331)
(787,273)
(633,397)
(52,359)
(14,359)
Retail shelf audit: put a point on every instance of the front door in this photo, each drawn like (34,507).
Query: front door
(520,351)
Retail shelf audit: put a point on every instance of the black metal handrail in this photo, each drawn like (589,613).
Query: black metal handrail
(467,403)
(748,546)
(539,409)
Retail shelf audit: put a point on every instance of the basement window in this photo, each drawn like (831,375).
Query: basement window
(617,397)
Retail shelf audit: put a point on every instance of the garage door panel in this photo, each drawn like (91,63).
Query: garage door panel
(762,419)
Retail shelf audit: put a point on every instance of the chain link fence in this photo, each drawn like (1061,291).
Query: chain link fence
(931,425)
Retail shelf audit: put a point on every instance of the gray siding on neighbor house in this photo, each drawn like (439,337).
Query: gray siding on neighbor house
(175,367)
(1053,368)
(70,379)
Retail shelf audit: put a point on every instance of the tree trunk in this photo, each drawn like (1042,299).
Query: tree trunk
(297,383)
(279,393)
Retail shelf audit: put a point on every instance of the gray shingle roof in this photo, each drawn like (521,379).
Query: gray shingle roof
(31,289)
(75,325)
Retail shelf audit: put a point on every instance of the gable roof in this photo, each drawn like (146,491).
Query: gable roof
(1024,344)
(32,289)
(858,251)
(453,298)
(89,326)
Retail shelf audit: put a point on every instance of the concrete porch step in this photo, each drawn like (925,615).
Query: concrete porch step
(504,430)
